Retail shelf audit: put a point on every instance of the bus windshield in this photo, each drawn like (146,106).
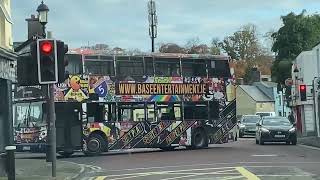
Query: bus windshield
(28,114)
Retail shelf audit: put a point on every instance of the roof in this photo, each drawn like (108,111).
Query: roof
(266,88)
(256,94)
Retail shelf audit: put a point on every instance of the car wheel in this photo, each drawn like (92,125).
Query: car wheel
(240,135)
(294,142)
(288,142)
(261,142)
(96,144)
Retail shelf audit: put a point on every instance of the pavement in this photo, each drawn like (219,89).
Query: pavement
(39,169)
(310,141)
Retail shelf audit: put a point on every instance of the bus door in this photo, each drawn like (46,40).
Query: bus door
(133,124)
(68,126)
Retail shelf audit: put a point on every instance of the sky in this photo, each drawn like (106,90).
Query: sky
(124,23)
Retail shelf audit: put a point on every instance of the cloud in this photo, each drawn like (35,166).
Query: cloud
(124,23)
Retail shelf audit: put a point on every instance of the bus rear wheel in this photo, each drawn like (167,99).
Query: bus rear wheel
(96,144)
(199,139)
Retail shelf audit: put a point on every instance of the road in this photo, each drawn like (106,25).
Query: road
(236,160)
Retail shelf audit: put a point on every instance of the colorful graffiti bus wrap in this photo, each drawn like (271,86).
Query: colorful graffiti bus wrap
(159,101)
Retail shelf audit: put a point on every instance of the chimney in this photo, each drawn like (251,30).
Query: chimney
(34,27)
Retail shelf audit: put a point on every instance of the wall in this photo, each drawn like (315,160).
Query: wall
(5,26)
(264,107)
(245,104)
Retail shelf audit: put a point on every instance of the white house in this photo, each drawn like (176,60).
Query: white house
(304,70)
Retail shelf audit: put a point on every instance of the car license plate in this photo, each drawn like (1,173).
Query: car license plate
(279,136)
(26,148)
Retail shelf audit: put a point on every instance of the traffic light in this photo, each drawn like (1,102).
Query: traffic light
(303,92)
(62,49)
(47,61)
(27,74)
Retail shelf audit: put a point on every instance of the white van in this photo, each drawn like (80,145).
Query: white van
(262,114)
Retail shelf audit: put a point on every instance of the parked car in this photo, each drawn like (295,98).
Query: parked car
(247,125)
(263,114)
(276,129)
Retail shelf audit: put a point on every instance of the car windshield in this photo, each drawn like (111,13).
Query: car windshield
(276,122)
(250,119)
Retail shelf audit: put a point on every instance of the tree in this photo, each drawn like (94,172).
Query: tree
(171,48)
(193,46)
(243,44)
(299,33)
(215,49)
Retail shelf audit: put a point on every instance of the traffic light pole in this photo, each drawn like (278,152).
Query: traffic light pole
(52,120)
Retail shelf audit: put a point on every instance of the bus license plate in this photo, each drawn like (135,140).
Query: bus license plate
(279,136)
(26,148)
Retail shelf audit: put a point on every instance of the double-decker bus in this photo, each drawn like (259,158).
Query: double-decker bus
(143,101)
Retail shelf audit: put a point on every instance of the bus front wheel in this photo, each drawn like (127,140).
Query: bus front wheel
(199,139)
(96,144)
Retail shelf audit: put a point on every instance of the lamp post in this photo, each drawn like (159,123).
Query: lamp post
(43,19)
(43,16)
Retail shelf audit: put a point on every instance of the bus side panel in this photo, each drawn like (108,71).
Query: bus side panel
(69,126)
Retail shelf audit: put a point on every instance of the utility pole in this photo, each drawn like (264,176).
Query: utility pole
(153,22)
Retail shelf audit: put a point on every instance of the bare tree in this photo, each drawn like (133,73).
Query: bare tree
(171,48)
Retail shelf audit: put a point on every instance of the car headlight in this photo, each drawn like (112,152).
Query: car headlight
(242,126)
(264,130)
(292,130)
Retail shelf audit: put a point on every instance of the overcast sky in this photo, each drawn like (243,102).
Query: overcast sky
(124,23)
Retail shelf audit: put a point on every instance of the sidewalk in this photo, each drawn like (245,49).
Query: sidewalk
(39,169)
(309,141)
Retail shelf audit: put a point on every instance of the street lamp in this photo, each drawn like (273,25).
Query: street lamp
(43,16)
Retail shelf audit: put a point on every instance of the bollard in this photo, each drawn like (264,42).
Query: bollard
(11,166)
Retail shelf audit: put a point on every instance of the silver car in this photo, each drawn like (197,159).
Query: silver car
(247,125)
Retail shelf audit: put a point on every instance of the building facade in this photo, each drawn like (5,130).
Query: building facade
(305,69)
(7,75)
(250,99)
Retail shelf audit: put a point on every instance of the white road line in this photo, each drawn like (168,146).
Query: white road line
(309,147)
(209,164)
(264,155)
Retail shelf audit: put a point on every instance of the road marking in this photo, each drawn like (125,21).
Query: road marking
(309,147)
(249,175)
(264,155)
(100,177)
(209,164)
(180,177)
(141,175)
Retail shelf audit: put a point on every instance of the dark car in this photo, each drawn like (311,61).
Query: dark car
(276,129)
(247,125)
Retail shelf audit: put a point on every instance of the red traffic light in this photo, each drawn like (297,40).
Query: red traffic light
(302,87)
(46,47)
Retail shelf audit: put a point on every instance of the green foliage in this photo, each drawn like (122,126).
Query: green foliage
(299,33)
(243,44)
